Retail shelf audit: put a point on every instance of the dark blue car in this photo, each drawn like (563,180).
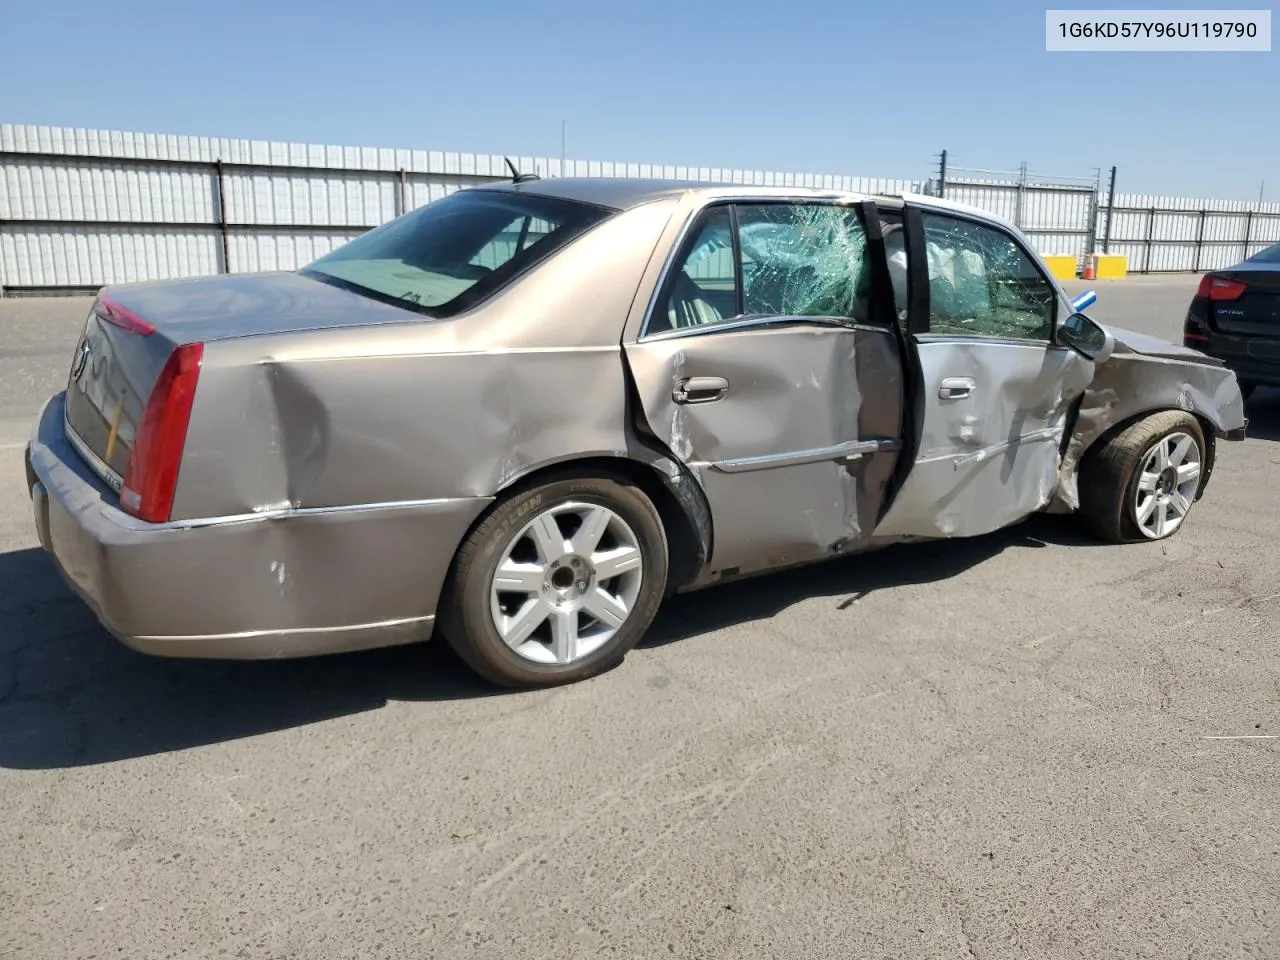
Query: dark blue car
(1235,316)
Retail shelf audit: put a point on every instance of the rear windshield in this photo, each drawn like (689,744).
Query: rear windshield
(452,253)
(1269,255)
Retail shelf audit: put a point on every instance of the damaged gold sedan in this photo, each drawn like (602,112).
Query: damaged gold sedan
(522,415)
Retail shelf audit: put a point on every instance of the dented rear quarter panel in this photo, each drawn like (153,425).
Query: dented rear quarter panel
(460,407)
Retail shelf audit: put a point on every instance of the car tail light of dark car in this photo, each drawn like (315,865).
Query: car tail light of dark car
(156,454)
(1195,330)
(1199,322)
(1220,288)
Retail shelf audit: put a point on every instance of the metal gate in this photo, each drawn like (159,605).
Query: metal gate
(1058,214)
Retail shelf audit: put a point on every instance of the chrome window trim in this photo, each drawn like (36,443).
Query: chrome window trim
(978,340)
(849,450)
(749,323)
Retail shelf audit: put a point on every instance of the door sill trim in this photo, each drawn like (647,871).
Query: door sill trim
(1049,433)
(850,450)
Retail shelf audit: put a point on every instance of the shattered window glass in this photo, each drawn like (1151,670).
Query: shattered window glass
(802,261)
(981,283)
(796,260)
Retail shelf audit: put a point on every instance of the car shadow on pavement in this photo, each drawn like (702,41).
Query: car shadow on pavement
(848,580)
(71,695)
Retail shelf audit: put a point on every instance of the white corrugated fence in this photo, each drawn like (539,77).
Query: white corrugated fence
(1162,233)
(82,208)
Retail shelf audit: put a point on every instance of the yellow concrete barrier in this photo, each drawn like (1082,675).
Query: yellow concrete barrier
(1061,265)
(1109,266)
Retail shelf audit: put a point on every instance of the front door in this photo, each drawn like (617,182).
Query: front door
(761,366)
(995,387)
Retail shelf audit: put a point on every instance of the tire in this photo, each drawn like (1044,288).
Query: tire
(562,593)
(1112,474)
(1246,388)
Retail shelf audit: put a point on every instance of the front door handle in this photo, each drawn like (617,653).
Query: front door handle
(699,389)
(956,388)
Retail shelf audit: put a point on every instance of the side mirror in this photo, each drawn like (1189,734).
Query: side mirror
(1086,338)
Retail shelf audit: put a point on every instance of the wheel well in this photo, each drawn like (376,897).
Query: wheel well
(685,550)
(1206,427)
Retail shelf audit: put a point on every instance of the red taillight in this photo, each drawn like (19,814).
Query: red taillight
(1220,288)
(114,313)
(156,454)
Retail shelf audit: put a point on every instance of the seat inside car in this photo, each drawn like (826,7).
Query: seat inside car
(687,307)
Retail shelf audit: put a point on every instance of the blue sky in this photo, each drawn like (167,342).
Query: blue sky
(874,89)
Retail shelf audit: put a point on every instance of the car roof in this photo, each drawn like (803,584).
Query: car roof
(623,193)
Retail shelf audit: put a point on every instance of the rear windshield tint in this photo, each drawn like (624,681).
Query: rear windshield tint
(454,252)
(1269,255)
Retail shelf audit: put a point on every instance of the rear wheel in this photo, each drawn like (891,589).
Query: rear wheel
(557,583)
(1141,484)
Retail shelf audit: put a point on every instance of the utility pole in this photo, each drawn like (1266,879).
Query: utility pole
(942,175)
(1022,192)
(1111,206)
(1260,189)
(1095,212)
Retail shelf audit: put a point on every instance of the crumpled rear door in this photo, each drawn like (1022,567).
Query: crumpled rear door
(790,423)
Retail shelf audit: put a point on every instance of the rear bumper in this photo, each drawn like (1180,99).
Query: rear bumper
(290,583)
(1253,359)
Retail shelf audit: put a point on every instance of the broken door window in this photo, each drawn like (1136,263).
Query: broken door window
(982,283)
(801,260)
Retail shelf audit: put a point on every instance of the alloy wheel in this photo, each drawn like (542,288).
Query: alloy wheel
(566,583)
(1167,483)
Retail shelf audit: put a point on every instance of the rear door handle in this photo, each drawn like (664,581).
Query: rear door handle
(956,388)
(699,389)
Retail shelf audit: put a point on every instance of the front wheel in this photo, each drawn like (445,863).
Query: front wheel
(1141,484)
(557,583)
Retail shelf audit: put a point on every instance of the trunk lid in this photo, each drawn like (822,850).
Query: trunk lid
(220,308)
(131,330)
(112,373)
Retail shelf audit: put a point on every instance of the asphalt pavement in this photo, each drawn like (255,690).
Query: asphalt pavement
(1021,745)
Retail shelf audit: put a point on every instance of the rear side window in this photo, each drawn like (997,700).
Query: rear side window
(983,284)
(704,291)
(450,254)
(789,260)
